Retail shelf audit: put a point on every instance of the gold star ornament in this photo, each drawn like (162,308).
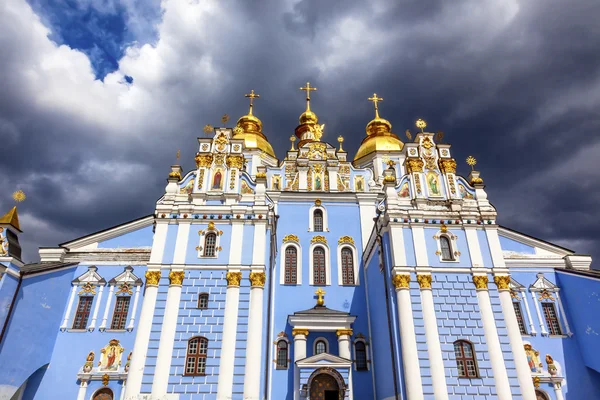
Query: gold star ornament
(471,161)
(421,124)
(208,128)
(19,196)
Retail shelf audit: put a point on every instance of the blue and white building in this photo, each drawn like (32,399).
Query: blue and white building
(308,277)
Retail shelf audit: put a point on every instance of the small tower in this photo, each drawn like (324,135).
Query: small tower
(249,128)
(9,234)
(379,141)
(309,130)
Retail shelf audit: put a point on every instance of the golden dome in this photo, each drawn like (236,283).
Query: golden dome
(379,135)
(249,128)
(308,117)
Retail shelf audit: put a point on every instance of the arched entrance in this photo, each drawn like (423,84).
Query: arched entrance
(326,384)
(103,394)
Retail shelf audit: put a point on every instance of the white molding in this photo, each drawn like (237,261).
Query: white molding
(202,241)
(52,254)
(107,308)
(298,263)
(110,233)
(354,264)
(530,241)
(311,227)
(315,345)
(398,247)
(327,264)
(474,248)
(452,238)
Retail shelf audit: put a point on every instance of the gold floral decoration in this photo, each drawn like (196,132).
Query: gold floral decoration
(421,124)
(418,183)
(299,332)
(219,159)
(257,279)
(401,281)
(502,282)
(203,160)
(208,128)
(176,277)
(125,288)
(291,238)
(235,162)
(424,281)
(232,179)
(414,165)
(105,379)
(342,332)
(480,281)
(319,239)
(19,196)
(88,288)
(201,179)
(233,278)
(261,175)
(427,143)
(545,295)
(471,161)
(346,239)
(448,165)
(152,277)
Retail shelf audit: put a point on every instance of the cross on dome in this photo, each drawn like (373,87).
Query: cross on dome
(376,100)
(308,89)
(252,96)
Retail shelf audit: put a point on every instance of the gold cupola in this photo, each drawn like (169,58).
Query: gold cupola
(379,135)
(249,128)
(308,130)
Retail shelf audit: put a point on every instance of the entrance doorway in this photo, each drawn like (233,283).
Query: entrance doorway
(324,387)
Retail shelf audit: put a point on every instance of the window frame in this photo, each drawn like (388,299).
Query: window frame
(298,263)
(196,357)
(340,266)
(318,340)
(287,354)
(203,295)
(318,226)
(520,319)
(311,221)
(453,246)
(85,313)
(550,305)
(289,269)
(319,270)
(212,246)
(445,239)
(122,314)
(465,359)
(356,351)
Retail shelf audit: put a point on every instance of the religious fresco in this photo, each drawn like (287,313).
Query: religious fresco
(245,189)
(464,194)
(276,182)
(217,180)
(533,359)
(404,190)
(359,184)
(433,183)
(110,358)
(189,187)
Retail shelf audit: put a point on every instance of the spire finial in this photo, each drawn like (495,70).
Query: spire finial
(308,89)
(292,139)
(340,139)
(252,96)
(320,292)
(471,161)
(178,155)
(421,124)
(376,100)
(19,196)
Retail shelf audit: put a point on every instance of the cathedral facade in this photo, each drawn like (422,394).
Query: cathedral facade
(317,276)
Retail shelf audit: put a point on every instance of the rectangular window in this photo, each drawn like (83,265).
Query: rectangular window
(551,318)
(83,312)
(120,313)
(519,316)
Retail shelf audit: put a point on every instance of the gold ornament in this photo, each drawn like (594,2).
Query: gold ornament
(317,131)
(424,281)
(105,379)
(308,89)
(235,162)
(421,124)
(176,277)
(175,174)
(444,228)
(346,239)
(536,381)
(341,332)
(88,288)
(208,128)
(233,278)
(340,140)
(439,136)
(471,161)
(414,165)
(261,175)
(292,139)
(401,281)
(291,238)
(152,277)
(502,282)
(19,196)
(376,100)
(319,239)
(257,279)
(320,292)
(481,282)
(408,134)
(448,165)
(545,295)
(224,119)
(299,332)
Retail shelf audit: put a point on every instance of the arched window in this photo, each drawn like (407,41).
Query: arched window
(291,264)
(465,359)
(203,301)
(103,394)
(282,354)
(195,362)
(360,350)
(347,266)
(320,347)
(120,312)
(318,220)
(319,266)
(210,245)
(539,395)
(446,249)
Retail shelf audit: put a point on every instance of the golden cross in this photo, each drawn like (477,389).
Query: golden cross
(320,292)
(252,96)
(376,100)
(308,89)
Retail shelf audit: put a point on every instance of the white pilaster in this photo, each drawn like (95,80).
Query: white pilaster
(96,308)
(333,183)
(82,390)
(258,250)
(539,314)
(492,339)
(368,211)
(69,308)
(410,356)
(302,178)
(532,330)
(122,396)
(398,250)
(558,391)
(299,354)
(167,335)
(344,345)
(516,341)
(111,289)
(434,348)
(420,247)
(564,315)
(226,363)
(133,311)
(254,347)
(474,248)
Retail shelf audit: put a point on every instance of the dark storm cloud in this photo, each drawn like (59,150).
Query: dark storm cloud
(517,84)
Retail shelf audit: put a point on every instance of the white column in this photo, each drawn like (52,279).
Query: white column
(410,356)
(107,308)
(82,389)
(142,338)
(434,349)
(474,248)
(420,247)
(539,314)
(96,308)
(491,338)
(516,341)
(532,330)
(564,315)
(226,363)
(167,335)
(133,311)
(302,178)
(299,354)
(558,391)
(122,396)
(69,307)
(344,343)
(254,342)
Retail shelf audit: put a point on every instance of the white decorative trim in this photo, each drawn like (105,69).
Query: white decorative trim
(354,263)
(474,247)
(452,238)
(202,241)
(133,311)
(327,264)
(315,345)
(114,232)
(533,242)
(563,314)
(298,263)
(311,212)
(276,351)
(539,315)
(63,327)
(356,340)
(96,308)
(107,308)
